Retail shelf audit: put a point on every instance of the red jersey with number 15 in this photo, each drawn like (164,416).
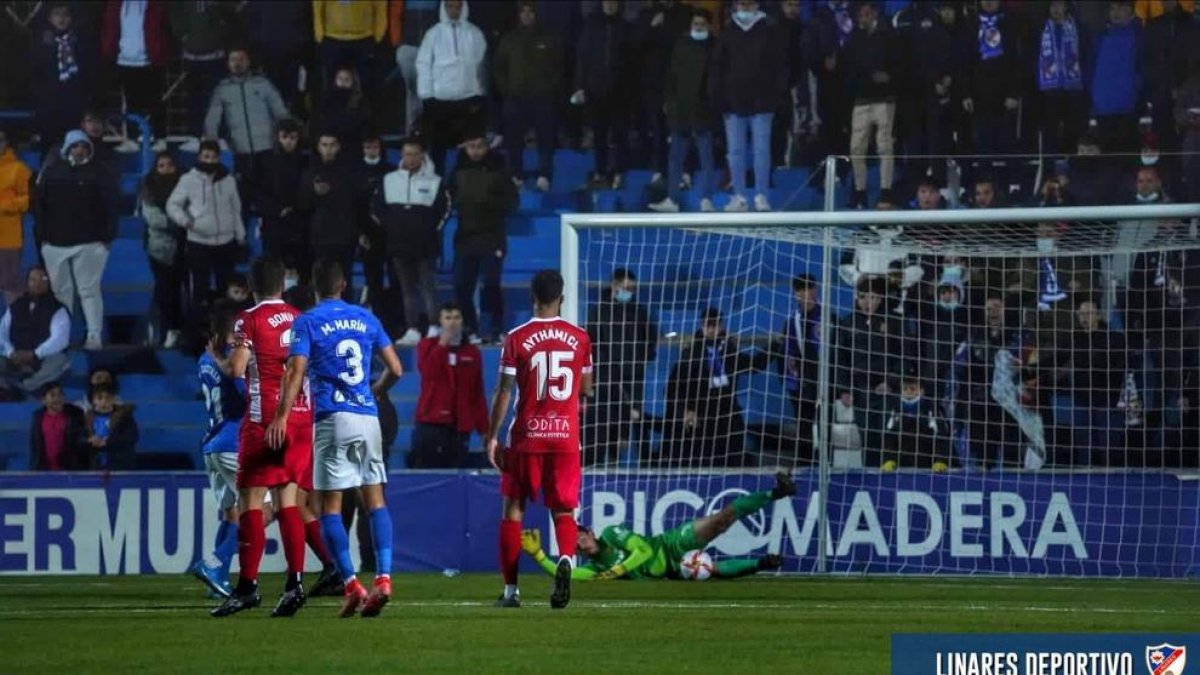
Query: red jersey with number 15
(548,358)
(266,330)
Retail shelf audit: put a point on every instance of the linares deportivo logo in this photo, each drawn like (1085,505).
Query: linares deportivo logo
(1166,659)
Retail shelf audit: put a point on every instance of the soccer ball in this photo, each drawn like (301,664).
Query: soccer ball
(695,566)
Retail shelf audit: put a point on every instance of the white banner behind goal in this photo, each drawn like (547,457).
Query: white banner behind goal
(1004,391)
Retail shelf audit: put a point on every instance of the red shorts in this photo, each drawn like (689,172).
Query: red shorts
(556,475)
(260,465)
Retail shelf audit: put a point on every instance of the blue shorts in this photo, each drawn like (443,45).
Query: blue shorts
(225,440)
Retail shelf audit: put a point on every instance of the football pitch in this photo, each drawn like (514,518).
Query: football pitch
(159,624)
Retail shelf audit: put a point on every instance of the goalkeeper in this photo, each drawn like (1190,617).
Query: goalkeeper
(619,553)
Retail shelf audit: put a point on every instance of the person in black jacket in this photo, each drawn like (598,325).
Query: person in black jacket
(57,435)
(372,167)
(75,212)
(329,193)
(706,423)
(869,347)
(748,82)
(34,334)
(659,25)
(833,23)
(485,196)
(872,74)
(928,36)
(1164,66)
(625,338)
(112,431)
(285,235)
(602,71)
(915,435)
(410,207)
(344,109)
(63,69)
(793,121)
(990,79)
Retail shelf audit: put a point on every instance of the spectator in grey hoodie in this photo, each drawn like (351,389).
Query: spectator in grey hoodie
(206,204)
(247,106)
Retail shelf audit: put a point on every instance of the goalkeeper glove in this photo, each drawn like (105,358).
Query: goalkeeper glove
(615,572)
(531,541)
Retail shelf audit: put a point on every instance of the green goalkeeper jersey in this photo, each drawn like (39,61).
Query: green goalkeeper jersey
(639,557)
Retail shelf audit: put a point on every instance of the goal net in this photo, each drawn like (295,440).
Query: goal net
(999,391)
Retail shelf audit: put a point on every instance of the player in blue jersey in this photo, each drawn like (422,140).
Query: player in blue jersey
(333,344)
(225,403)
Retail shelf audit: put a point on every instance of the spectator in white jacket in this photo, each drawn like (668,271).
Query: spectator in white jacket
(450,79)
(206,204)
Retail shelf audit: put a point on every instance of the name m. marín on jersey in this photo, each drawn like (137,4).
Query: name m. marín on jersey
(343,324)
(550,334)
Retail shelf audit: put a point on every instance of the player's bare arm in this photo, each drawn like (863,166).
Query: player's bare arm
(293,379)
(390,374)
(239,359)
(500,404)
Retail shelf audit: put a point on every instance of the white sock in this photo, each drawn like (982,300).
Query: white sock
(511,591)
(569,559)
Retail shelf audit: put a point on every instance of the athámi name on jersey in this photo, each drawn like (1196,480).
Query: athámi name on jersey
(550,334)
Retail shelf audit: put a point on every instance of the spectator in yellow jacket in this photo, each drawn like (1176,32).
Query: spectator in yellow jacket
(14,202)
(349,33)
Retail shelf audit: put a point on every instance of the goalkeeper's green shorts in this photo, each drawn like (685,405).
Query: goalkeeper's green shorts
(676,542)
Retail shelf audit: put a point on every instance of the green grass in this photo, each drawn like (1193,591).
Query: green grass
(66,625)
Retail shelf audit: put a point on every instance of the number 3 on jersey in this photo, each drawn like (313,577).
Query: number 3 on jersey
(352,352)
(553,376)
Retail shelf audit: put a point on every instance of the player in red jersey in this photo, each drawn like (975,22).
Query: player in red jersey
(262,341)
(550,362)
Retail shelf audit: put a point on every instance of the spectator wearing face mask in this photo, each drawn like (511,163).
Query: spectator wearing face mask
(206,205)
(749,81)
(344,109)
(75,212)
(372,167)
(625,336)
(690,114)
(202,29)
(915,433)
(164,247)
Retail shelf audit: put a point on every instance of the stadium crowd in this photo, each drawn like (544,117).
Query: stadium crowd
(305,97)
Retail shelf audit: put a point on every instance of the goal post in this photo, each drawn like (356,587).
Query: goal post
(919,445)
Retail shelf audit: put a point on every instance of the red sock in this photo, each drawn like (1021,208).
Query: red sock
(291,529)
(510,550)
(565,533)
(312,530)
(252,539)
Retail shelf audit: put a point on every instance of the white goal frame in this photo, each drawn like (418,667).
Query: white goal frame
(829,221)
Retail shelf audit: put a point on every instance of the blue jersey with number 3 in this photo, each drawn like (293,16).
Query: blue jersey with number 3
(339,341)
